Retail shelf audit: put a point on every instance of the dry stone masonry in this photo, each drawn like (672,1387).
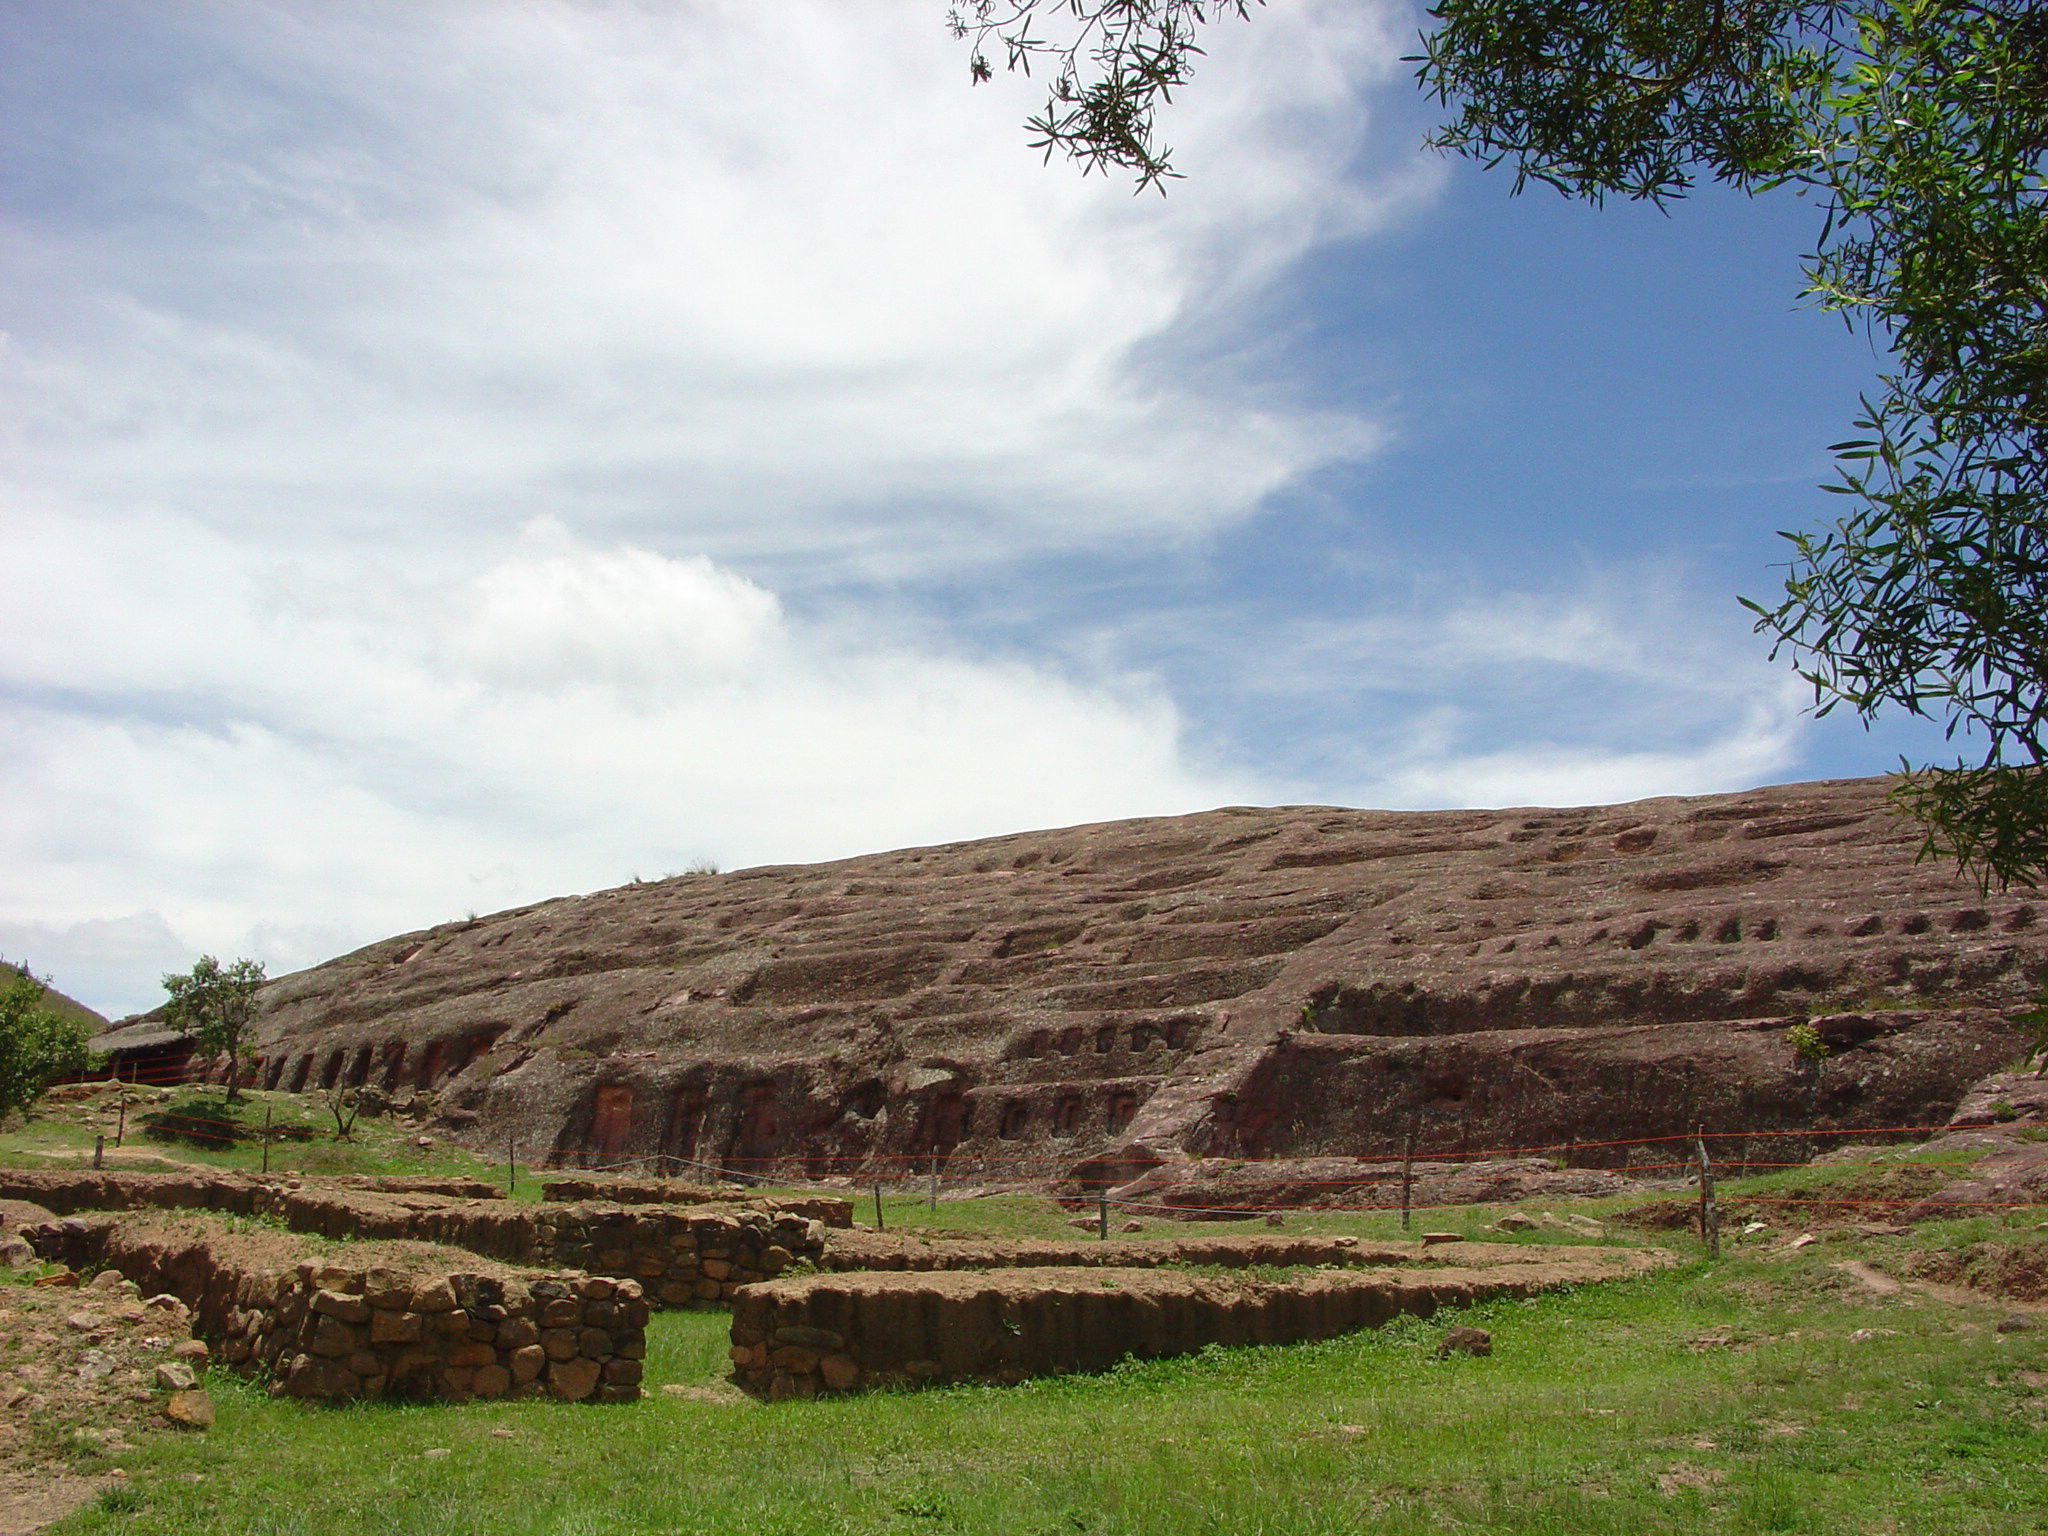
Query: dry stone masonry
(832,1210)
(410,1327)
(861,1250)
(385,1313)
(683,1256)
(798,1338)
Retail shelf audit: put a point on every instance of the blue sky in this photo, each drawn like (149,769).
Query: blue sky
(462,454)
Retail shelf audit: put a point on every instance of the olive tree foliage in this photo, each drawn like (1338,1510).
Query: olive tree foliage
(216,1003)
(1917,128)
(37,1044)
(1111,64)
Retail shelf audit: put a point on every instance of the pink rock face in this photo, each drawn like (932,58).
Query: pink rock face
(1244,983)
(2004,1098)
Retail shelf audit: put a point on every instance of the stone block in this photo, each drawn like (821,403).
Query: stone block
(395,1327)
(190,1409)
(559,1343)
(433,1296)
(823,1340)
(573,1380)
(311,1376)
(342,1306)
(527,1363)
(334,1338)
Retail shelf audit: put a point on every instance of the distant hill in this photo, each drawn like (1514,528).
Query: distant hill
(55,1001)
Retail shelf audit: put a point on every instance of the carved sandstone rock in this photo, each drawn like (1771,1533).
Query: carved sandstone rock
(1243,983)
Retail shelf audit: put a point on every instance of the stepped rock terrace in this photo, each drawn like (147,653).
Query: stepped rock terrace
(1252,983)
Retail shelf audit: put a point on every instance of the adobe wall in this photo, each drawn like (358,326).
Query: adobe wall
(846,1333)
(692,1256)
(339,1331)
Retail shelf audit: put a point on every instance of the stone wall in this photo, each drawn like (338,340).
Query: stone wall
(832,1210)
(1217,1188)
(343,1330)
(684,1256)
(817,1334)
(862,1250)
(417,1184)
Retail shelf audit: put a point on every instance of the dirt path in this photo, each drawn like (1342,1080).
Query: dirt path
(1878,1283)
(33,1499)
(78,1375)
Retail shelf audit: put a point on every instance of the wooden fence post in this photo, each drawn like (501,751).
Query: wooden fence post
(1710,1210)
(1407,1172)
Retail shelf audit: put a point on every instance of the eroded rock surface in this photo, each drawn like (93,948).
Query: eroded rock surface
(1292,982)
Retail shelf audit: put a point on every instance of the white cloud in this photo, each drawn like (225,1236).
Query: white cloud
(284,780)
(416,417)
(735,279)
(1425,690)
(1759,742)
(430,429)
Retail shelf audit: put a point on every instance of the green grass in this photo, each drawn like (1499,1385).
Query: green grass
(377,1146)
(1033,1216)
(1709,1399)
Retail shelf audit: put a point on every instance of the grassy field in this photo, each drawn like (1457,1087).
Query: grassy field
(1769,1392)
(61,1134)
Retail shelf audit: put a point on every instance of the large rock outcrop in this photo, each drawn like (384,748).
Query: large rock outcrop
(1292,982)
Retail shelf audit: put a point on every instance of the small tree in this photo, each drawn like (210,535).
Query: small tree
(37,1046)
(215,1004)
(344,1104)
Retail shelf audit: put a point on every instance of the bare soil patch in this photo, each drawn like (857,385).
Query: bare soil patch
(78,1378)
(1883,1194)
(2014,1271)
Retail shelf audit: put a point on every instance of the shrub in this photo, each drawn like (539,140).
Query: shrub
(1806,1043)
(37,1045)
